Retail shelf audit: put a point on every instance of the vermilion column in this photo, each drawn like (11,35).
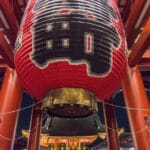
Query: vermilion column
(111,126)
(135,97)
(35,130)
(10,100)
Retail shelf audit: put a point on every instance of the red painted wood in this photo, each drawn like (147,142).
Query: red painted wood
(10,17)
(35,130)
(10,99)
(135,97)
(6,51)
(140,46)
(111,126)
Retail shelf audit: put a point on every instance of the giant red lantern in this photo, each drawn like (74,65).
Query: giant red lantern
(71,43)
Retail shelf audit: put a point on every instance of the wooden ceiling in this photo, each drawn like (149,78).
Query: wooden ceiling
(135,16)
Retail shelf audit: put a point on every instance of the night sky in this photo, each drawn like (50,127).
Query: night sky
(24,117)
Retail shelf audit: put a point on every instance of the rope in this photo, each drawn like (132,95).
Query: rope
(23,108)
(129,108)
(21,137)
(38,102)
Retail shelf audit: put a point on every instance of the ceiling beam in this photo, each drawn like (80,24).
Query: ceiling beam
(133,17)
(8,20)
(138,15)
(144,64)
(3,68)
(6,51)
(126,10)
(140,46)
(9,14)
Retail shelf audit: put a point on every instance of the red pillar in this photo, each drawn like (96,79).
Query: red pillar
(35,130)
(10,99)
(135,97)
(111,126)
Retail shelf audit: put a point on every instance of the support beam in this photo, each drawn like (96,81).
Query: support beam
(18,9)
(35,130)
(6,51)
(144,64)
(9,14)
(111,126)
(2,68)
(126,9)
(140,46)
(10,100)
(135,97)
(8,20)
(133,17)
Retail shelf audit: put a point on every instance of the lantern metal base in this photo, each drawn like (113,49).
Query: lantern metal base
(69,103)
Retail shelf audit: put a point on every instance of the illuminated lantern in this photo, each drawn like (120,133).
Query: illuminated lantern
(71,43)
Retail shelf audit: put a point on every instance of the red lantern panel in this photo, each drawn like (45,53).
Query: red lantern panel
(73,43)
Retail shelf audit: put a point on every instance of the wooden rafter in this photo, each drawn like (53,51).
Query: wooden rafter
(134,14)
(8,20)
(141,45)
(2,68)
(6,51)
(124,7)
(18,8)
(144,64)
(139,13)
